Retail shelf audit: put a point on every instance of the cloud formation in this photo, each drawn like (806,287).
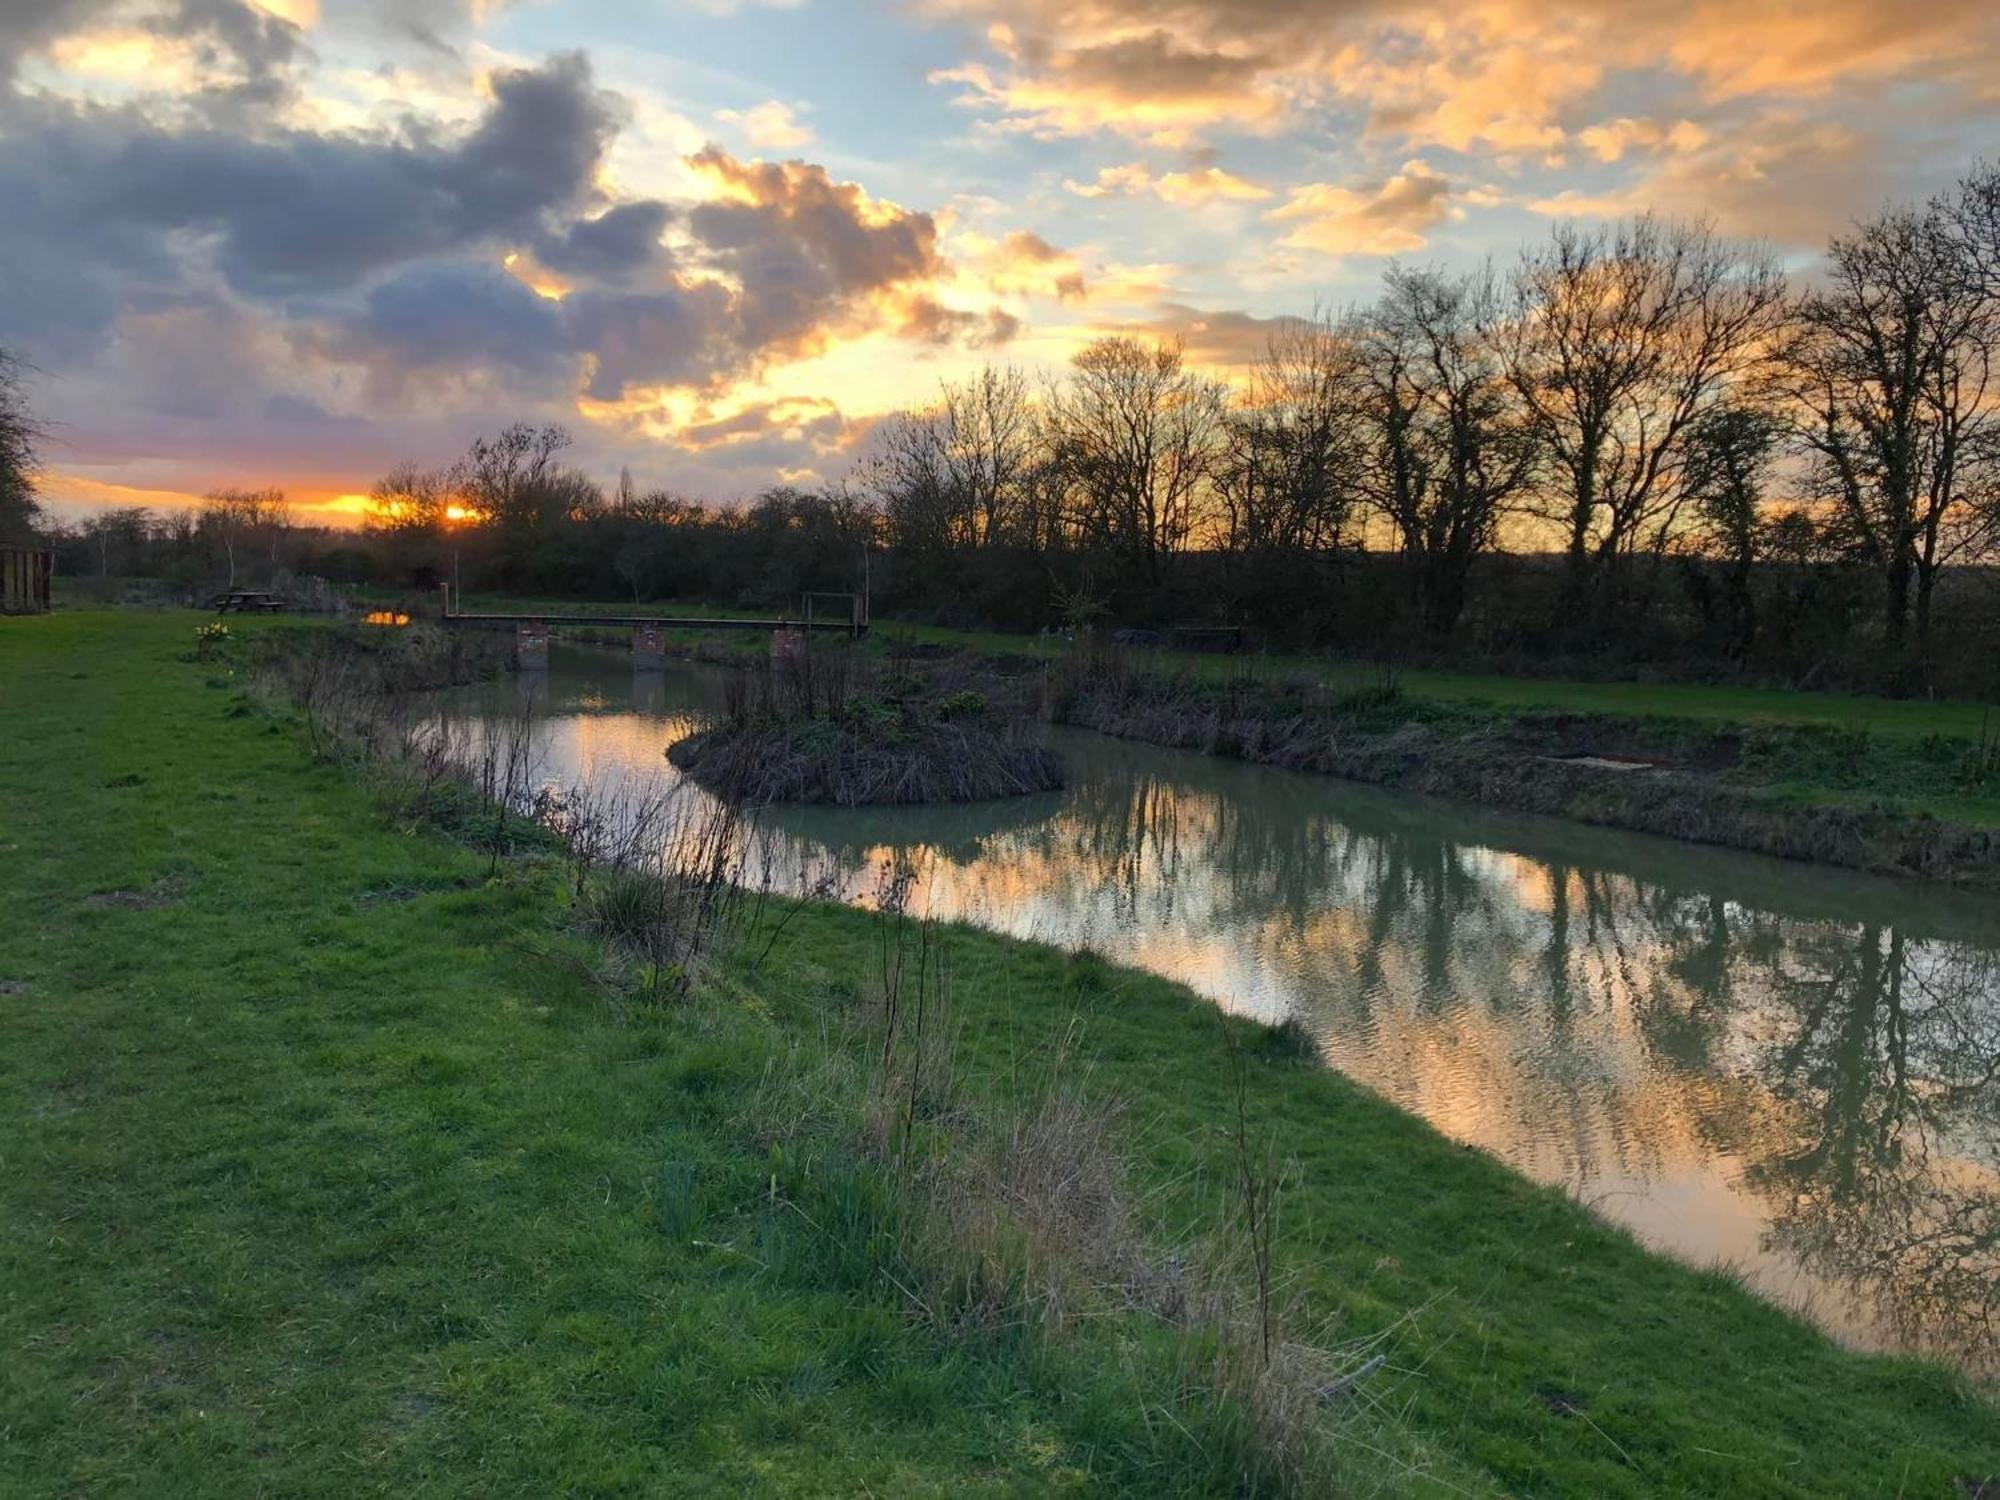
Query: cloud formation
(239,267)
(1191,188)
(1391,216)
(1525,84)
(772,125)
(355,229)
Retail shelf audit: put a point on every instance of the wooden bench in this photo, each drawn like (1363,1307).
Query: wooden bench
(247,601)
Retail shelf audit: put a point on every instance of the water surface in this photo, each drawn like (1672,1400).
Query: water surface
(1791,1070)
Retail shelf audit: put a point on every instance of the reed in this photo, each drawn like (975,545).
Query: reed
(828,727)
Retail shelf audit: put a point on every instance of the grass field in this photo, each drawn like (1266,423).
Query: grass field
(1702,704)
(330,1166)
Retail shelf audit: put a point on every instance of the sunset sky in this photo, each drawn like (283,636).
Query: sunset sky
(294,242)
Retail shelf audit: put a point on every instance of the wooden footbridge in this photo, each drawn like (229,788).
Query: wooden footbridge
(532,630)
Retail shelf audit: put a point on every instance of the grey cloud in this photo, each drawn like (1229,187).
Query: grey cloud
(460,314)
(262,273)
(102,200)
(253,48)
(619,243)
(687,335)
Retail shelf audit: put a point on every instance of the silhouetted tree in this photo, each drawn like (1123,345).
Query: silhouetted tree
(1134,433)
(242,522)
(1452,445)
(18,434)
(1730,451)
(1891,373)
(1621,339)
(1288,473)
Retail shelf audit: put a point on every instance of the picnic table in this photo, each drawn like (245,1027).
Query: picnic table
(247,601)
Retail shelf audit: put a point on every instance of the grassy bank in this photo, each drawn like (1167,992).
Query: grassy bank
(333,1166)
(1799,792)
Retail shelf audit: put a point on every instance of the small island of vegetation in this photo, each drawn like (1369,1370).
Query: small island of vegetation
(820,727)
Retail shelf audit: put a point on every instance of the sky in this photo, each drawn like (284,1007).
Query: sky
(293,242)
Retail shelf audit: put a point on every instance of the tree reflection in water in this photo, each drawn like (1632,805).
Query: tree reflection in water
(1885,1053)
(1789,1068)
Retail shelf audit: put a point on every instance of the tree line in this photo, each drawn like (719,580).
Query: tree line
(1637,446)
(1622,399)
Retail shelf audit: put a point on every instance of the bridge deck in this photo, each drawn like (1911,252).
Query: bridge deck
(664,622)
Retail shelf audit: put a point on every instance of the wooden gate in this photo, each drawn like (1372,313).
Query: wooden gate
(24,580)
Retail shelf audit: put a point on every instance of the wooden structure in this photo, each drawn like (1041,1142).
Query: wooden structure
(847,626)
(649,648)
(24,580)
(246,602)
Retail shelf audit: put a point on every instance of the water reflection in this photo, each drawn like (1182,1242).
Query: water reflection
(1794,1071)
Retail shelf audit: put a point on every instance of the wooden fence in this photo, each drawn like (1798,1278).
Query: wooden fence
(24,580)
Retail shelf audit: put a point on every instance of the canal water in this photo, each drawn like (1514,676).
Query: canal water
(1791,1071)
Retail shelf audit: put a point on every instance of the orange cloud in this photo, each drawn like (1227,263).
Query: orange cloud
(1191,189)
(1784,176)
(1512,77)
(1024,264)
(1614,138)
(1389,217)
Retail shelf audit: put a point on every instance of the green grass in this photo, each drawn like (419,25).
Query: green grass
(326,1170)
(327,1167)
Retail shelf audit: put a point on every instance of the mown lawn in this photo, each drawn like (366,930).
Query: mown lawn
(329,1166)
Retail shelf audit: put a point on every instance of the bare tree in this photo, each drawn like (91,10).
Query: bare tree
(241,520)
(1452,446)
(1620,339)
(950,476)
(18,434)
(121,534)
(1972,216)
(989,443)
(500,475)
(513,485)
(910,479)
(1135,434)
(1288,473)
(1891,376)
(411,501)
(1731,449)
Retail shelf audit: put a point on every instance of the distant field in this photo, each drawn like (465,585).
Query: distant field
(1914,718)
